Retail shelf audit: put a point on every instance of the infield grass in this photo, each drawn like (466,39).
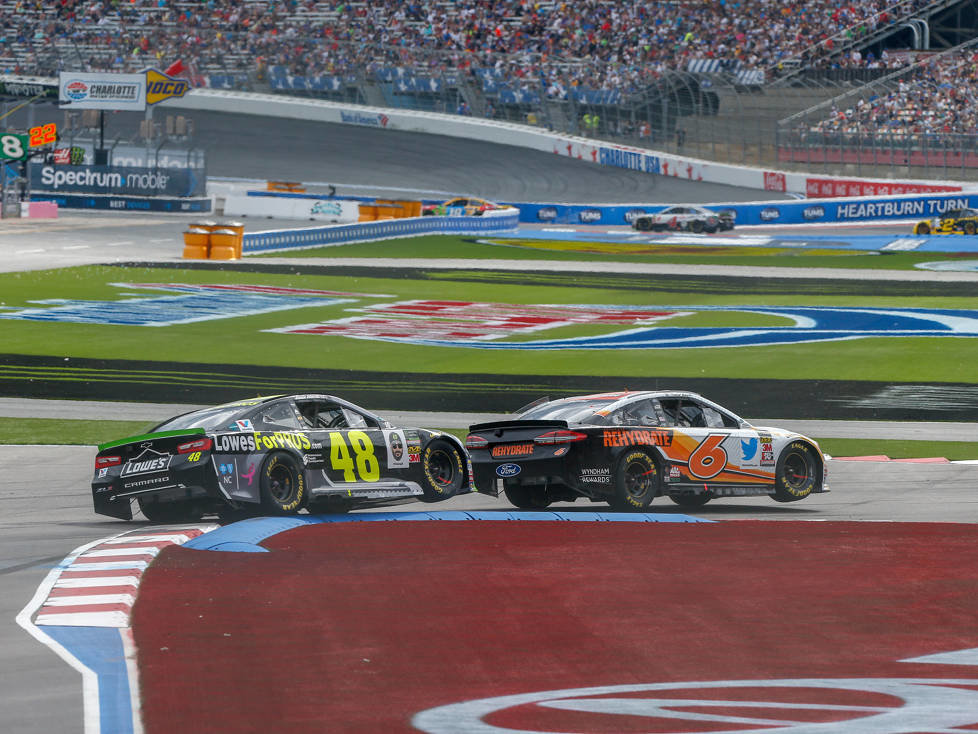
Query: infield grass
(245,339)
(502,248)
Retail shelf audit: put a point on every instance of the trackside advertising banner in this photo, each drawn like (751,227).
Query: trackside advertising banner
(773,212)
(117,180)
(106,91)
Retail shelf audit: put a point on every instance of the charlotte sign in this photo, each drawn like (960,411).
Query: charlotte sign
(103,91)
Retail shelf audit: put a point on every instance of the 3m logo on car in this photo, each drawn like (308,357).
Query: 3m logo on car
(513,449)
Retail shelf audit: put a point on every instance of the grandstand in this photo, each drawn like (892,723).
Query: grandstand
(713,79)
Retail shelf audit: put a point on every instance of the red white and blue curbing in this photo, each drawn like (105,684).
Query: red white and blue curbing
(81,611)
(82,608)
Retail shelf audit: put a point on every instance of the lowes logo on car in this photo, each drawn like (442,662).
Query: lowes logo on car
(546,214)
(814,212)
(590,215)
(508,470)
(769,213)
(146,463)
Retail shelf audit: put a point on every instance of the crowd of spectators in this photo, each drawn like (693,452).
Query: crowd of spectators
(554,46)
(934,98)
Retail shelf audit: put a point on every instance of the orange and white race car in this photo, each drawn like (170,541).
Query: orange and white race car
(628,448)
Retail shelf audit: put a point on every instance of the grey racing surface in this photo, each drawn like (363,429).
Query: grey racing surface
(46,490)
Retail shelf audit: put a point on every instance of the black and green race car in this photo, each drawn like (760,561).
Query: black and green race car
(275,455)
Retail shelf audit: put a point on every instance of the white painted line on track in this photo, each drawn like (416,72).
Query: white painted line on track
(118,244)
(54,604)
(28,252)
(75,247)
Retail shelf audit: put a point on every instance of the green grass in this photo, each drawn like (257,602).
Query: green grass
(91,433)
(67,432)
(242,340)
(900,449)
(440,246)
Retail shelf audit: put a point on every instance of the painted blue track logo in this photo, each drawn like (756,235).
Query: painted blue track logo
(508,470)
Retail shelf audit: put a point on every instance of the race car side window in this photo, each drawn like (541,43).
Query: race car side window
(639,413)
(276,417)
(354,419)
(683,413)
(669,408)
(713,417)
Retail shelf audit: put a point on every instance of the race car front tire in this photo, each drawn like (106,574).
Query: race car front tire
(636,482)
(283,486)
(922,228)
(443,471)
(643,224)
(796,474)
(970,228)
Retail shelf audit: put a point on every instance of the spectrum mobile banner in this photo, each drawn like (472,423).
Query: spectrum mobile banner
(129,181)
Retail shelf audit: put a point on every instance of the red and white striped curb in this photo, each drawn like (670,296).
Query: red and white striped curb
(883,457)
(97,587)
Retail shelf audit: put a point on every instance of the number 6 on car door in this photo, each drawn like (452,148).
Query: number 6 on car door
(708,459)
(363,462)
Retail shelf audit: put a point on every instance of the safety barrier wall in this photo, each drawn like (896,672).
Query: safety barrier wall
(862,209)
(291,207)
(499,223)
(525,136)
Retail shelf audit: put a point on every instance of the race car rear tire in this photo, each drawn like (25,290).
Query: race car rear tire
(696,226)
(526,498)
(922,228)
(691,500)
(969,228)
(796,474)
(443,471)
(636,482)
(283,485)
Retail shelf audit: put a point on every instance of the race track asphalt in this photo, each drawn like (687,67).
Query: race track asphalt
(45,493)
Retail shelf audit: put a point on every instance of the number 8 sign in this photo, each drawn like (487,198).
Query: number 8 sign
(13,147)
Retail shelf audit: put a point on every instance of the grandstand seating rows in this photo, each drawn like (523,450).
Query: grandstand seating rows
(516,52)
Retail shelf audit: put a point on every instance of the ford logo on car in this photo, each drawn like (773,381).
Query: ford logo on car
(814,212)
(508,470)
(769,213)
(546,213)
(590,215)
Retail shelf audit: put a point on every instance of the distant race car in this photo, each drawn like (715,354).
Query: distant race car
(953,221)
(628,448)
(460,206)
(275,455)
(685,218)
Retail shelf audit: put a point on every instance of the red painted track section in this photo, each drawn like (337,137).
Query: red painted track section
(356,627)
